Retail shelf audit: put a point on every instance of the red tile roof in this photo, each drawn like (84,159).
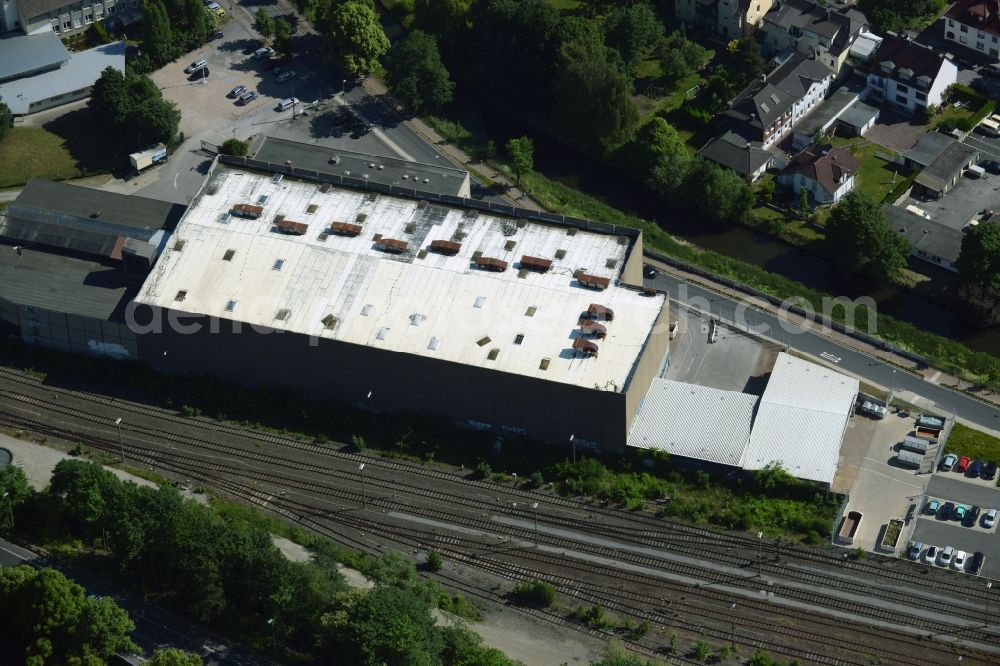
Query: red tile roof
(827,165)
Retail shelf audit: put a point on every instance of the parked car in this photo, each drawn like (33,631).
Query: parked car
(237,91)
(285,76)
(991,166)
(989,519)
(971,516)
(946,509)
(914,550)
(212,6)
(248,97)
(199,74)
(287,103)
(946,556)
(959,512)
(976,563)
(195,66)
(948,463)
(963,464)
(932,507)
(989,471)
(974,468)
(958,562)
(263,52)
(218,34)
(649,272)
(931,554)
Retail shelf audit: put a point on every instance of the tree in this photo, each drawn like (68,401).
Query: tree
(174,657)
(109,98)
(155,121)
(158,35)
(804,206)
(434,560)
(14,490)
(132,110)
(743,62)
(83,487)
(522,156)
(284,40)
(658,156)
(234,147)
(594,104)
(679,56)
(862,244)
(416,74)
(355,40)
(632,31)
(6,120)
(899,15)
(516,34)
(263,23)
(719,193)
(979,261)
(447,20)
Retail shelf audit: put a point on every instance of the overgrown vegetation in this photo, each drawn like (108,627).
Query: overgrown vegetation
(533,593)
(966,441)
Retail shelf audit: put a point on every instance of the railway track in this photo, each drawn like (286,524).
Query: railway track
(643,531)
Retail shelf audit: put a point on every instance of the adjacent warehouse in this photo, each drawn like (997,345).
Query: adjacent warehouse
(398,304)
(799,422)
(71,260)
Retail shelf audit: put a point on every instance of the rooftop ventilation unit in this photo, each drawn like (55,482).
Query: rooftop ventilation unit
(491,264)
(536,263)
(247,210)
(592,281)
(590,327)
(345,228)
(391,245)
(289,227)
(446,246)
(585,347)
(599,312)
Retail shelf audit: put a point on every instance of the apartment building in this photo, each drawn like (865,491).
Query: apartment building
(975,24)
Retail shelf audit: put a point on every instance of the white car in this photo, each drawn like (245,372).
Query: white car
(944,559)
(263,52)
(212,6)
(958,563)
(931,554)
(195,66)
(287,103)
(990,519)
(948,463)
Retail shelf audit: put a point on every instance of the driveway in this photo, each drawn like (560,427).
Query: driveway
(895,131)
(962,203)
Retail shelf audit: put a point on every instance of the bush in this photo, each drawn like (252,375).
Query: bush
(434,560)
(483,470)
(234,147)
(189,411)
(701,651)
(534,593)
(636,630)
(358,442)
(593,617)
(537,480)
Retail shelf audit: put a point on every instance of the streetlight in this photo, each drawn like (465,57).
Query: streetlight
(572,440)
(534,509)
(514,474)
(760,535)
(892,383)
(343,87)
(732,633)
(989,585)
(274,639)
(10,508)
(121,442)
(364,495)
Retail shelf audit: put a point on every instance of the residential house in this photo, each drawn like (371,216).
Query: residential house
(812,29)
(727,19)
(944,172)
(826,172)
(975,24)
(908,76)
(841,113)
(744,156)
(769,109)
(930,241)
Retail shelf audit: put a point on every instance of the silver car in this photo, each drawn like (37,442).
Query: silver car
(237,91)
(195,66)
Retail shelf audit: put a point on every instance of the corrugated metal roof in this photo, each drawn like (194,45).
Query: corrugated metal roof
(694,422)
(801,419)
(79,72)
(20,53)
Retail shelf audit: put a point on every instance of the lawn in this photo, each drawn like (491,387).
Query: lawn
(966,441)
(34,151)
(876,175)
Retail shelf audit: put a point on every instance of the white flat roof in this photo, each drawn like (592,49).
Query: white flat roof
(416,302)
(801,419)
(694,422)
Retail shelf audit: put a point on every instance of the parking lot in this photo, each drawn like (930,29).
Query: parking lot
(735,362)
(959,489)
(962,203)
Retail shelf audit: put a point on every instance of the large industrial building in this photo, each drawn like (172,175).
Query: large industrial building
(499,323)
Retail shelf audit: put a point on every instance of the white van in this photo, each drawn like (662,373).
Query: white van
(990,126)
(287,103)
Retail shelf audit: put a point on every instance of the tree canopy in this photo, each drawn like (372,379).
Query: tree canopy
(899,15)
(679,56)
(416,74)
(355,40)
(632,31)
(263,23)
(979,261)
(174,657)
(862,244)
(132,110)
(522,156)
(6,120)
(52,620)
(718,194)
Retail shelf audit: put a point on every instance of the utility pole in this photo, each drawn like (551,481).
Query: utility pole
(121,442)
(364,495)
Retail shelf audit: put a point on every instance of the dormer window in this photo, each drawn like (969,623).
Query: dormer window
(887,66)
(905,73)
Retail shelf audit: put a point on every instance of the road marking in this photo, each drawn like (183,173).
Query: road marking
(830,357)
(392,145)
(175,179)
(17,555)
(879,462)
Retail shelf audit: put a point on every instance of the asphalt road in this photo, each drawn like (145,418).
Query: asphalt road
(945,400)
(154,627)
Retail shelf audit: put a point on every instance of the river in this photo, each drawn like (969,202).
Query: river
(581,172)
